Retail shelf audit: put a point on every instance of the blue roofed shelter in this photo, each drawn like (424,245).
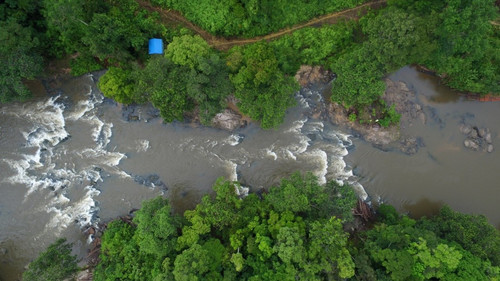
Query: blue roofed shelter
(155,46)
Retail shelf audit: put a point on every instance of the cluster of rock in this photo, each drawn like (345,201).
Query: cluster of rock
(410,145)
(308,75)
(478,139)
(152,180)
(404,101)
(145,112)
(228,120)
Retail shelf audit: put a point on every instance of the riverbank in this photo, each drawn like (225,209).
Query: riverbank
(443,170)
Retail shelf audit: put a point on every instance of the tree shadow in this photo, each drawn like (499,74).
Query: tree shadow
(423,207)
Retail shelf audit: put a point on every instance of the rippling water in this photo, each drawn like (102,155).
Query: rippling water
(72,160)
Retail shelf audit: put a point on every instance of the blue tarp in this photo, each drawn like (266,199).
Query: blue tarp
(155,46)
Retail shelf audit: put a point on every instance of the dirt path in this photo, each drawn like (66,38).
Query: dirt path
(221,43)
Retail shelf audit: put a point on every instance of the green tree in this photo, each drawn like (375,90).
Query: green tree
(192,264)
(264,92)
(156,228)
(67,22)
(303,195)
(391,37)
(359,78)
(20,60)
(122,259)
(327,250)
(119,84)
(165,85)
(56,263)
(187,49)
(472,232)
(467,55)
(209,86)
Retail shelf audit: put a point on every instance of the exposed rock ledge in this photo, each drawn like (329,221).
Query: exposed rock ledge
(396,93)
(228,120)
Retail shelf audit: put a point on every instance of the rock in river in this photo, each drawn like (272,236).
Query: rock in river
(228,120)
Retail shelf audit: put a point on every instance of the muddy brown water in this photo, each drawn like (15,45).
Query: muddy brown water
(443,171)
(70,160)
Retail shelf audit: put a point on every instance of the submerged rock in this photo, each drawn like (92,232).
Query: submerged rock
(411,145)
(143,112)
(152,180)
(478,139)
(490,148)
(465,129)
(471,144)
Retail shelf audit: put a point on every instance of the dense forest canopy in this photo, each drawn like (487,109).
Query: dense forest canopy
(295,231)
(456,38)
(253,17)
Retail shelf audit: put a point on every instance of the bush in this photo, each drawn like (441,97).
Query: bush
(55,264)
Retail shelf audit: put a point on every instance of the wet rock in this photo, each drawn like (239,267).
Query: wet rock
(65,138)
(143,112)
(85,275)
(422,118)
(487,138)
(152,180)
(308,75)
(482,132)
(228,120)
(398,94)
(471,144)
(465,129)
(478,139)
(411,145)
(490,148)
(473,133)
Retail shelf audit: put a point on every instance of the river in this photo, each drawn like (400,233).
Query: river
(443,171)
(71,159)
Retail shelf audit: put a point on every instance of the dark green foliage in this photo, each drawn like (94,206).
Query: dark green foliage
(400,248)
(186,50)
(312,46)
(472,232)
(119,84)
(122,259)
(250,17)
(387,214)
(199,79)
(391,117)
(156,228)
(358,82)
(390,36)
(55,264)
(467,54)
(461,48)
(303,195)
(165,84)
(19,58)
(228,238)
(263,90)
(84,64)
(209,86)
(290,234)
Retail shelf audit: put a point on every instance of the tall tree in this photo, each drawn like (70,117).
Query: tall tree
(20,60)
